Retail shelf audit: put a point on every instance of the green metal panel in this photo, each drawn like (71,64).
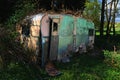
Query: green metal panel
(90,25)
(66,26)
(81,31)
(81,23)
(65,34)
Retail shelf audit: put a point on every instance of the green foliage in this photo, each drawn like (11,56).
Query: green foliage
(117,28)
(10,50)
(81,67)
(108,43)
(113,59)
(21,10)
(18,71)
(8,37)
(92,11)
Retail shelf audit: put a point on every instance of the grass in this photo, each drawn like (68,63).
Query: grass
(82,67)
(19,71)
(85,67)
(117,30)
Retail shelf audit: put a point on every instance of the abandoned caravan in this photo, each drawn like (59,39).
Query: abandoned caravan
(66,33)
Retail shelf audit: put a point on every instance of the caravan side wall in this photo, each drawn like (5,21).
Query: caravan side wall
(70,34)
(31,26)
(73,32)
(65,36)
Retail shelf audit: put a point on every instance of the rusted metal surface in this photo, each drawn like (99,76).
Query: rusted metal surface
(54,47)
(68,33)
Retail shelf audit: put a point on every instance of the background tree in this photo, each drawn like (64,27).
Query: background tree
(115,3)
(110,16)
(102,18)
(92,12)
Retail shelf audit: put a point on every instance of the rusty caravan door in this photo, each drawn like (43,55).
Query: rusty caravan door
(54,38)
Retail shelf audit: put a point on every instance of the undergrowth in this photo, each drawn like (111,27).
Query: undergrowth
(82,67)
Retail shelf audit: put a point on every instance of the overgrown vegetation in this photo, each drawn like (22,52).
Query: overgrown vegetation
(15,62)
(92,9)
(10,49)
(22,9)
(81,67)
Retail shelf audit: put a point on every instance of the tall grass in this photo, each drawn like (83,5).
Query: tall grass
(82,67)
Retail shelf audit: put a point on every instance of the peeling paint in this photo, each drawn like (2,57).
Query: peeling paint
(68,34)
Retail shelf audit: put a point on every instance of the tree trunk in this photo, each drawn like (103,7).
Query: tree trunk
(114,30)
(113,18)
(102,18)
(109,19)
(115,8)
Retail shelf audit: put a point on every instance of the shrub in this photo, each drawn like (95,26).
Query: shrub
(22,9)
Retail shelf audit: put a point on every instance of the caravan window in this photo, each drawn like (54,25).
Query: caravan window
(25,30)
(91,32)
(55,26)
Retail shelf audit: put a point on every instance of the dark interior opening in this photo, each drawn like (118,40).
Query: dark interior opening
(91,32)
(55,27)
(25,30)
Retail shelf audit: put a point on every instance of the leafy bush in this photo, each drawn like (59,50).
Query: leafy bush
(92,11)
(22,9)
(9,49)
